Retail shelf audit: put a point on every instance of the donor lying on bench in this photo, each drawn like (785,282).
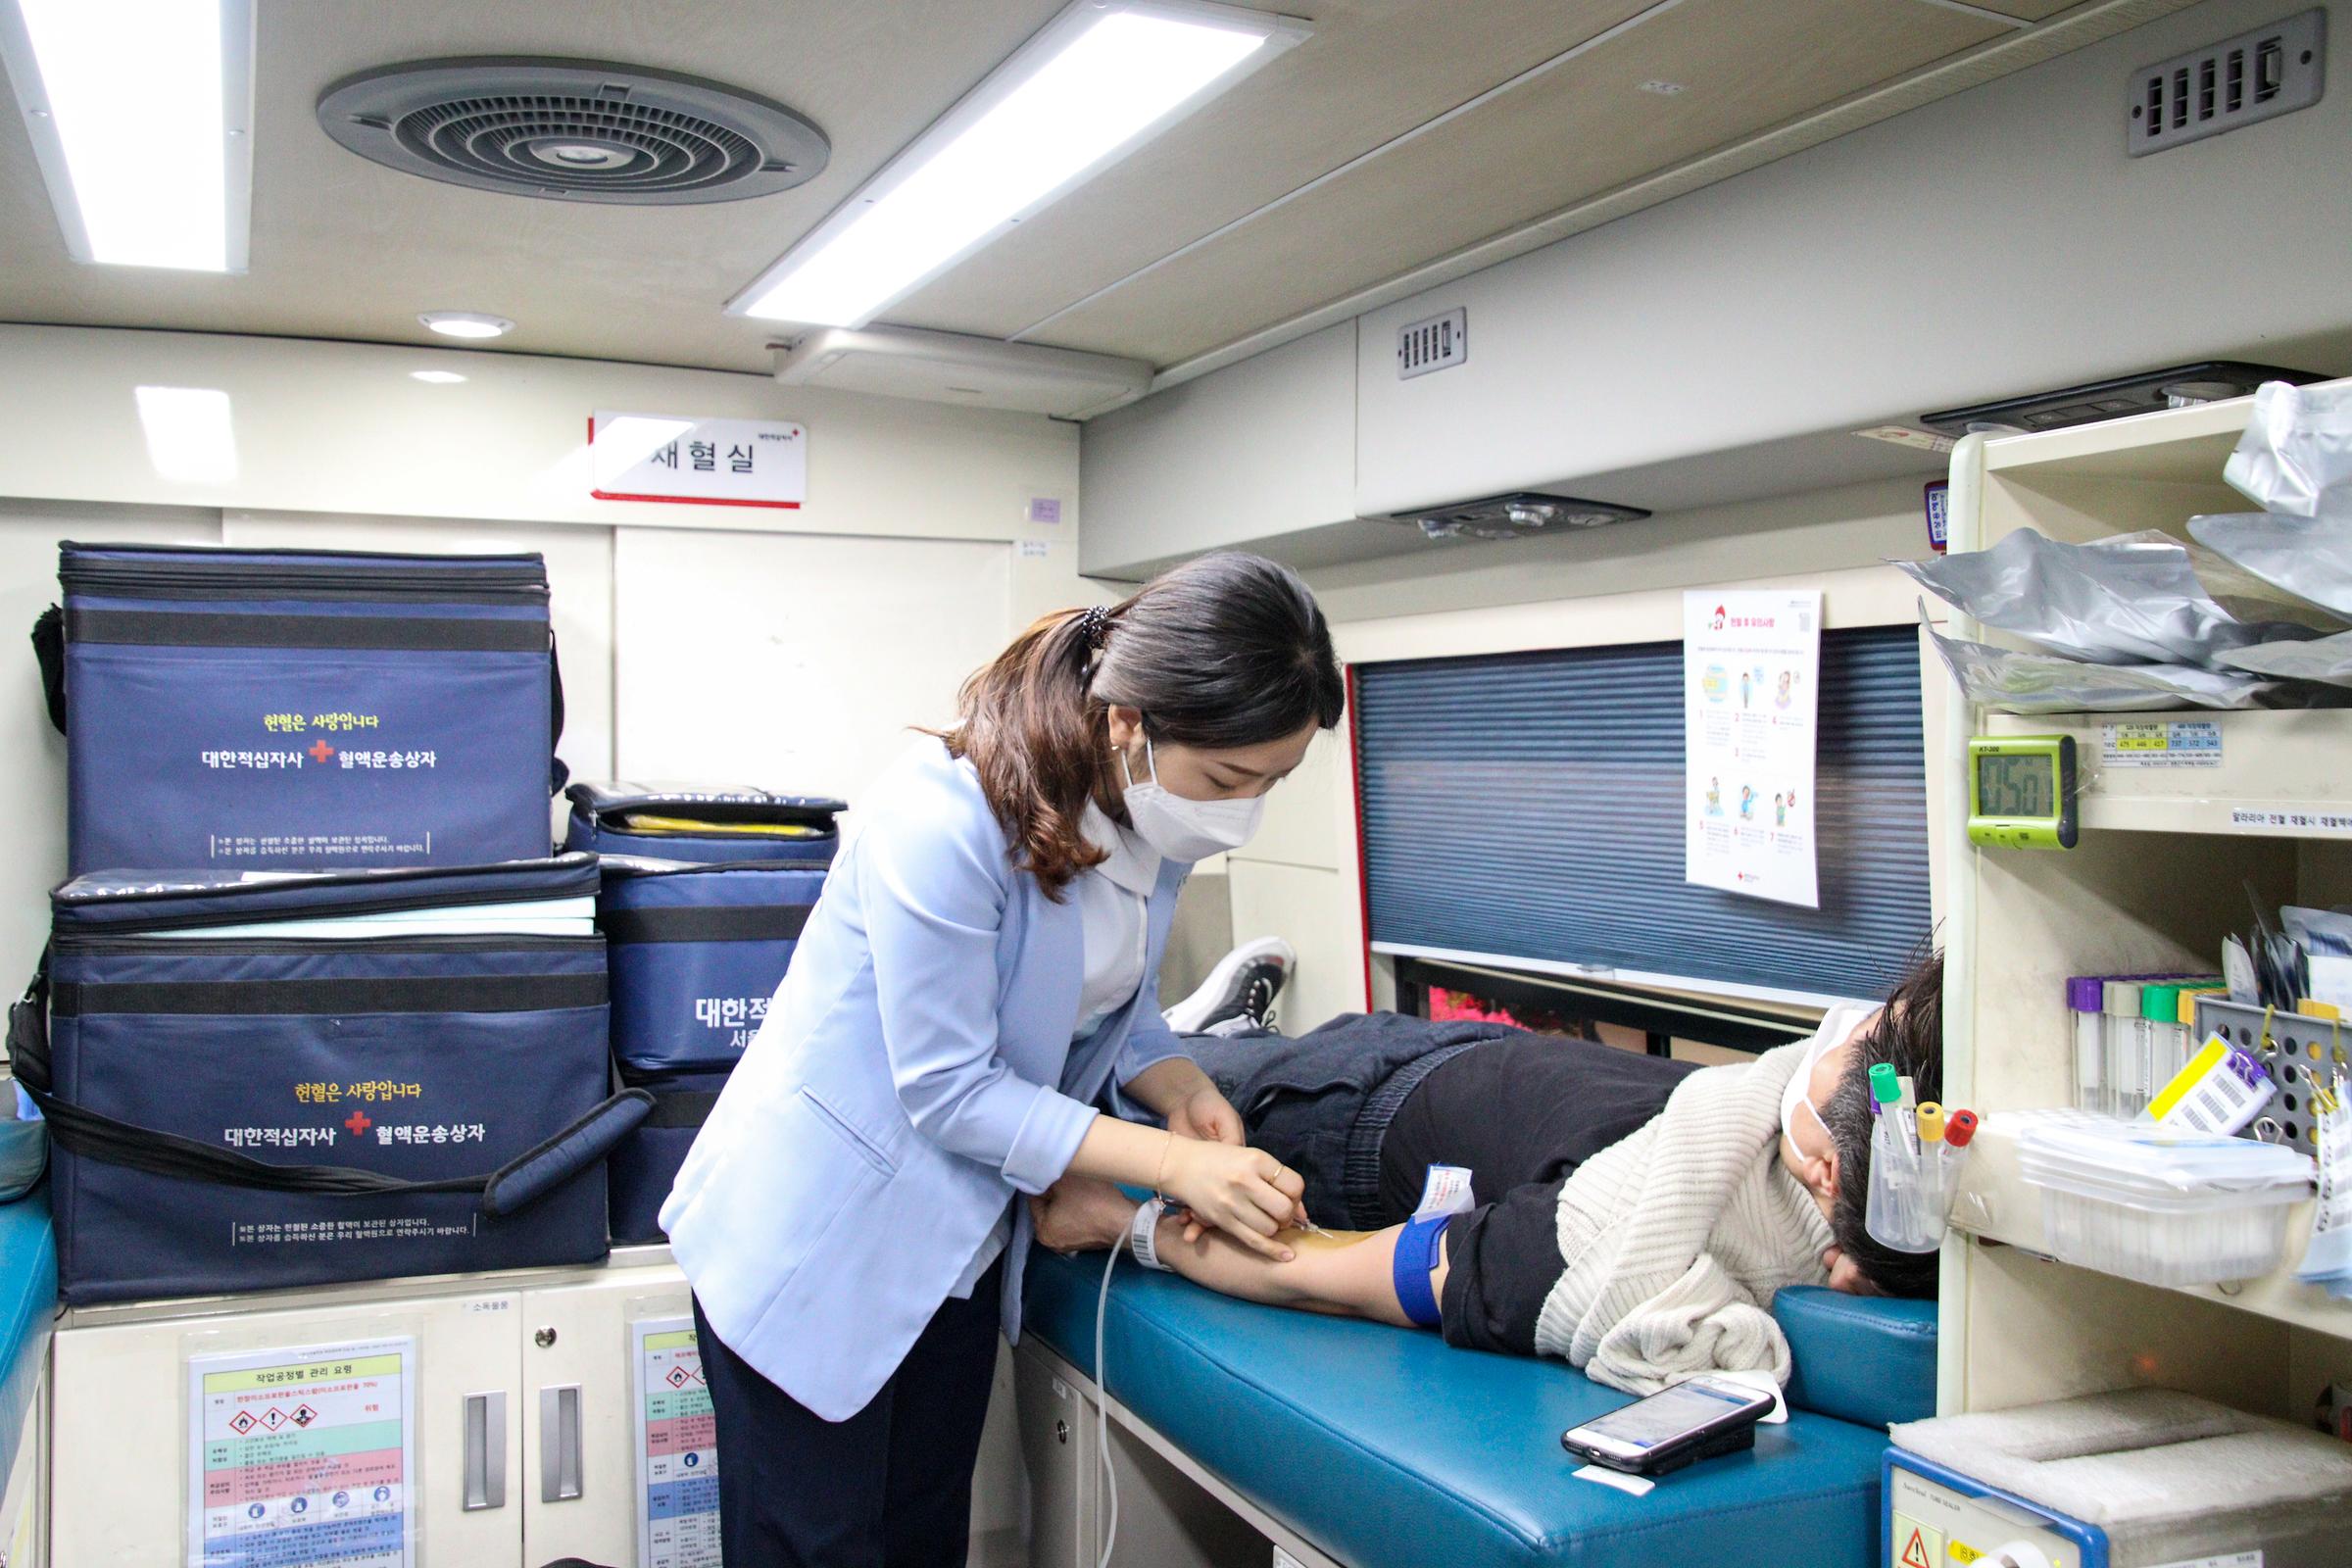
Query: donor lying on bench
(1634,1215)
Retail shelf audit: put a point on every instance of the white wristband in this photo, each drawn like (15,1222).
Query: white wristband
(1143,1235)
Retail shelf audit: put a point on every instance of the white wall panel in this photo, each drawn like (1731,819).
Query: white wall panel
(343,428)
(1264,448)
(580,576)
(1993,243)
(1310,909)
(793,662)
(33,787)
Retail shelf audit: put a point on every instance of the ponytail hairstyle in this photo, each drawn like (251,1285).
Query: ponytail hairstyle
(1228,650)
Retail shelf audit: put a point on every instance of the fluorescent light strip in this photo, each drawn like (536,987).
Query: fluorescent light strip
(189,437)
(138,112)
(1086,90)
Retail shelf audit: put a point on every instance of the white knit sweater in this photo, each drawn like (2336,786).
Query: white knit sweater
(1675,1239)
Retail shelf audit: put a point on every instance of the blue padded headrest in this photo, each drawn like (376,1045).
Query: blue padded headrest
(1870,1359)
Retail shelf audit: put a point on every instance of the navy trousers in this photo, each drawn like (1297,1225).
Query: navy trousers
(889,1487)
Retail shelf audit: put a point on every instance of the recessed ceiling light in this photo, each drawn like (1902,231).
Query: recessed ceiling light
(466,323)
(1090,87)
(437,377)
(96,81)
(189,438)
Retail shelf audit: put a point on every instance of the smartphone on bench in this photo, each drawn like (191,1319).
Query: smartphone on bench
(1688,1422)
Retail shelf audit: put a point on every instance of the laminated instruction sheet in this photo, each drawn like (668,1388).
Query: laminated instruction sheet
(677,1448)
(303,1456)
(1751,667)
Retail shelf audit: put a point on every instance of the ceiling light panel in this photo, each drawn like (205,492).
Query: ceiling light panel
(1092,85)
(139,113)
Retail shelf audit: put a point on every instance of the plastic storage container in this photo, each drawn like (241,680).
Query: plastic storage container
(2160,1208)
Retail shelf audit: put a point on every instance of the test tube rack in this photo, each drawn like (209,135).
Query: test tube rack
(2297,1051)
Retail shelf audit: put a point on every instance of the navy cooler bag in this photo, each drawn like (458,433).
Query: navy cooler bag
(256,1084)
(678,822)
(301,710)
(697,952)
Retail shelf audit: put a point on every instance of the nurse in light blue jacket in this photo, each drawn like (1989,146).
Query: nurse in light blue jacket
(974,987)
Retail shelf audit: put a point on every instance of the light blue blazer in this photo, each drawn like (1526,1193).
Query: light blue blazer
(914,1072)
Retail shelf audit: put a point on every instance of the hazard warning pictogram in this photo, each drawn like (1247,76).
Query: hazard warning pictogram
(242,1422)
(273,1418)
(304,1416)
(1921,1547)
(678,1377)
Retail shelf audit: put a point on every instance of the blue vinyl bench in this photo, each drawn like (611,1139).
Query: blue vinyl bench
(1386,1447)
(28,1313)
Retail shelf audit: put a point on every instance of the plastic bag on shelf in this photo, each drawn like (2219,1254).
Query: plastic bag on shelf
(2132,600)
(2296,455)
(2329,660)
(2310,557)
(2047,683)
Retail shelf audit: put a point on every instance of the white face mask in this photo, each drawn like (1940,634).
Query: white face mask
(1184,829)
(1836,1027)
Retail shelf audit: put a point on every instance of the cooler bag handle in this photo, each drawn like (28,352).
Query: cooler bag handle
(512,1187)
(49,648)
(558,774)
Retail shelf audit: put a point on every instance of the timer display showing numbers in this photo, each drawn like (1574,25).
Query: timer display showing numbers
(2021,792)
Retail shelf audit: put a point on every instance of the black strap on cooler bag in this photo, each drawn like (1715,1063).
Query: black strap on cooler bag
(515,1186)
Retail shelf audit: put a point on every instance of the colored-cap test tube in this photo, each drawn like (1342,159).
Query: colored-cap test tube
(2086,999)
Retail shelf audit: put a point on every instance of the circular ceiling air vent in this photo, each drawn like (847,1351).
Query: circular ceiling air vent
(576,129)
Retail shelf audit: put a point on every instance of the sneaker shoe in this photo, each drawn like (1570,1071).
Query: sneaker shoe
(1243,986)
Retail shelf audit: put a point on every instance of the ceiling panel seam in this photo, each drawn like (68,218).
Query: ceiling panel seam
(1987,62)
(1533,72)
(1980,13)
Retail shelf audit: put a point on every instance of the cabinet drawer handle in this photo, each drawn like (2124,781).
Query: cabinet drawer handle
(485,1417)
(560,1443)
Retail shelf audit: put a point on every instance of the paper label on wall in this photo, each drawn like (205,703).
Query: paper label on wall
(2333,825)
(303,1456)
(677,1448)
(711,463)
(1751,664)
(2190,743)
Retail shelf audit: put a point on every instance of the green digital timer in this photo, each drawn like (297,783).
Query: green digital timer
(2020,791)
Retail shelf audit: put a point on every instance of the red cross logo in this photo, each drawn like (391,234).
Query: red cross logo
(320,751)
(358,1122)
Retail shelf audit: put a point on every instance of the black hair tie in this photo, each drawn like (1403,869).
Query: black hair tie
(1094,627)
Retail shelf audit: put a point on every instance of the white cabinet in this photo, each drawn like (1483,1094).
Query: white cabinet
(119,1473)
(523,1445)
(579,1460)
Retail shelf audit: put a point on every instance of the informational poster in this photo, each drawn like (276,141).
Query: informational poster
(677,1448)
(712,463)
(303,1456)
(1751,666)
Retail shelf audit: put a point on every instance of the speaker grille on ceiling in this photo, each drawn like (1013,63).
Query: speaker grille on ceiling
(574,130)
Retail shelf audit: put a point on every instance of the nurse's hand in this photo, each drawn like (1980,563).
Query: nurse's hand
(1209,1117)
(1246,1193)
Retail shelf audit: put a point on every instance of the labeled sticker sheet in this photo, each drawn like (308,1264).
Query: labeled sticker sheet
(1751,664)
(303,1456)
(677,1448)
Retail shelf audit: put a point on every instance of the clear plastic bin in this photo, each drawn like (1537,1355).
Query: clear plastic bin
(2163,1208)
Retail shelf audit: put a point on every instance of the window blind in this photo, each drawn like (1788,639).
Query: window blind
(1529,806)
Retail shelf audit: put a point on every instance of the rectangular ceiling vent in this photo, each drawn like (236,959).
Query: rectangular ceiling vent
(1515,516)
(901,361)
(1436,344)
(2256,75)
